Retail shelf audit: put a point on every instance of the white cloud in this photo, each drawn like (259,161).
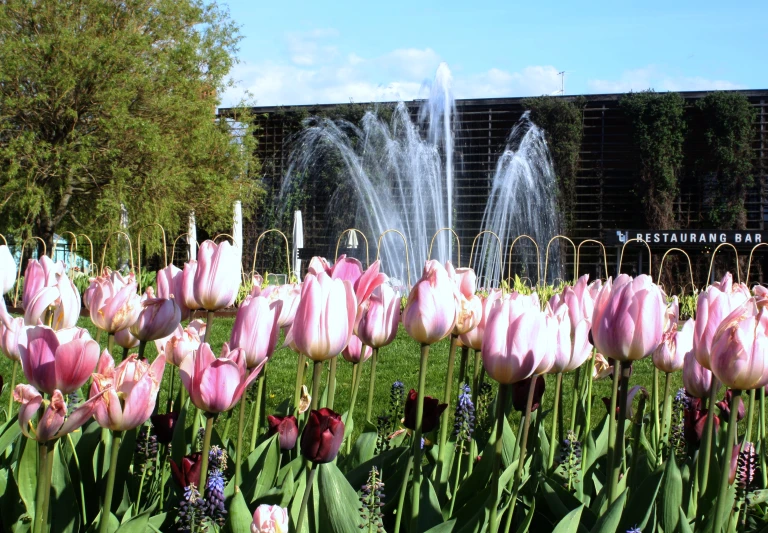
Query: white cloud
(653,77)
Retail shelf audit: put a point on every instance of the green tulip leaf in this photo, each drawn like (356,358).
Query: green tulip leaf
(239,518)
(609,521)
(338,502)
(27,474)
(570,522)
(179,439)
(63,508)
(526,524)
(683,525)
(642,502)
(137,524)
(10,434)
(264,476)
(445,527)
(364,449)
(671,495)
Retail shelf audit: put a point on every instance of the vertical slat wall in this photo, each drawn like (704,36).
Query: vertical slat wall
(606,183)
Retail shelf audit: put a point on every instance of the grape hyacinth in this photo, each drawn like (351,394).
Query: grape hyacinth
(372,500)
(746,470)
(464,424)
(570,459)
(146,450)
(396,402)
(190,510)
(214,506)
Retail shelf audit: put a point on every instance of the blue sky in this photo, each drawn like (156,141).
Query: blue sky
(298,52)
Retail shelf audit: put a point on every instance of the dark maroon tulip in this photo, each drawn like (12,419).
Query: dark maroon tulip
(694,420)
(163,425)
(286,427)
(189,473)
(432,411)
(725,407)
(520,393)
(322,436)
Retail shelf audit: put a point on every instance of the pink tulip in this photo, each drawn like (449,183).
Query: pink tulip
(469,309)
(347,268)
(7,270)
(354,349)
(739,355)
(216,385)
(572,347)
(670,355)
(288,295)
(170,284)
(115,305)
(430,314)
(63,298)
(697,380)
(89,292)
(256,329)
(713,305)
(270,519)
(602,367)
(474,338)
(58,360)
(158,318)
(188,285)
(38,275)
(320,264)
(55,422)
(13,334)
(379,317)
(127,393)
(125,339)
(628,319)
(217,278)
(368,282)
(518,337)
(579,300)
(183,342)
(325,317)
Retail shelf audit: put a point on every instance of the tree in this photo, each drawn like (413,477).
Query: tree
(104,103)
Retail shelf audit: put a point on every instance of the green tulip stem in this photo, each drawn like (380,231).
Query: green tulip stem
(498,446)
(444,418)
(667,410)
(619,448)
(371,385)
(417,432)
(555,409)
(750,416)
(403,490)
(43,486)
(239,445)
(317,371)
(656,424)
(106,509)
(111,344)
(125,353)
(305,498)
(10,391)
(575,397)
(172,387)
(209,418)
(299,382)
(257,408)
(208,326)
(463,365)
(98,335)
(142,346)
(725,464)
(456,478)
(612,425)
(356,372)
(526,423)
(475,391)
(761,435)
(588,415)
(332,382)
(705,451)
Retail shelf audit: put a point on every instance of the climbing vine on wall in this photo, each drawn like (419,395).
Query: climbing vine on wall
(658,132)
(727,128)
(561,120)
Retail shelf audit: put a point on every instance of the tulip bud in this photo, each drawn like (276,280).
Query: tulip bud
(163,426)
(256,329)
(115,305)
(695,419)
(217,278)
(469,307)
(740,348)
(696,379)
(379,317)
(7,270)
(287,429)
(170,284)
(125,339)
(430,314)
(13,334)
(39,275)
(158,318)
(725,406)
(55,421)
(712,307)
(62,297)
(347,268)
(520,392)
(320,264)
(431,412)
(572,347)
(288,295)
(270,519)
(628,320)
(188,473)
(322,436)
(670,355)
(474,338)
(188,285)
(354,349)
(58,360)
(183,342)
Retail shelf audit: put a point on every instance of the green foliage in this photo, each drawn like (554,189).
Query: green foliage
(561,120)
(728,131)
(110,103)
(658,131)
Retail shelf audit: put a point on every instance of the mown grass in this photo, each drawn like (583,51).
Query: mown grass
(396,362)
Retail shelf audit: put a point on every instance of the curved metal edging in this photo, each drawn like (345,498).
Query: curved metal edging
(501,253)
(90,243)
(458,245)
(104,251)
(690,266)
(712,261)
(650,256)
(578,256)
(749,263)
(138,246)
(287,251)
(546,258)
(538,257)
(367,251)
(405,242)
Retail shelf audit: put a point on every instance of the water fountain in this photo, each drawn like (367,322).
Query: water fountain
(401,175)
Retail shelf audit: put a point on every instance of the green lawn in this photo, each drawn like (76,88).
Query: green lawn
(398,361)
